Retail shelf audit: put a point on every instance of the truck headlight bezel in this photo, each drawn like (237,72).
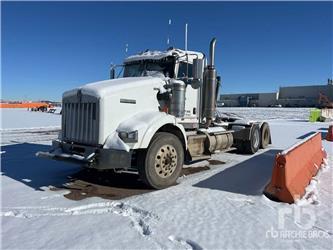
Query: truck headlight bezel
(130,137)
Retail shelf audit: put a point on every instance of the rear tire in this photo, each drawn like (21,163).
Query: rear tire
(161,164)
(265,137)
(251,146)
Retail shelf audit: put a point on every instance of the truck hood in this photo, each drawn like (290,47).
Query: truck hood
(109,87)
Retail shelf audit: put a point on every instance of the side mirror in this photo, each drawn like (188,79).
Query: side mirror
(112,73)
(198,69)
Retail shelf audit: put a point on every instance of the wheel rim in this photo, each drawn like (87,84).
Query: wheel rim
(256,139)
(166,161)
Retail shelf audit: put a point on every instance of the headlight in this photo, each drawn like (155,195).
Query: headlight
(129,136)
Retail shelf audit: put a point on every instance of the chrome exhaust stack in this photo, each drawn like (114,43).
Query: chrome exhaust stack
(212,52)
(209,87)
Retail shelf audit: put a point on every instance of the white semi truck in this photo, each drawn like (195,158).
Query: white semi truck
(159,114)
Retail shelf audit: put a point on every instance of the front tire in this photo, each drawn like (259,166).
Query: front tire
(162,163)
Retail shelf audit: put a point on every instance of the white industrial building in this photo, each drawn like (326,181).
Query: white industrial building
(293,96)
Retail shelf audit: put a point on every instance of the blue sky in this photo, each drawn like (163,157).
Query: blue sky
(49,47)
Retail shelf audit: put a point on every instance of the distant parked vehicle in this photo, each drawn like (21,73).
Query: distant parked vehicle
(54,110)
(51,110)
(276,106)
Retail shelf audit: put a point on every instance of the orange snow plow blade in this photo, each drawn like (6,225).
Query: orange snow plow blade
(329,136)
(294,168)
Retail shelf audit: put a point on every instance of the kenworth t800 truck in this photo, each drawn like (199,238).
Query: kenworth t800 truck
(159,114)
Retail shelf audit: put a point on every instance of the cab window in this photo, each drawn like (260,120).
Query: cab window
(182,71)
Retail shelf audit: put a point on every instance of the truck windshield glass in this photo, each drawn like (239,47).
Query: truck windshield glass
(133,70)
(150,68)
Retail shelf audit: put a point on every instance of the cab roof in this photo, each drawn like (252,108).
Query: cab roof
(157,55)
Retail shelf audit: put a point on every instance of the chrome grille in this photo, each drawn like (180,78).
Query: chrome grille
(80,121)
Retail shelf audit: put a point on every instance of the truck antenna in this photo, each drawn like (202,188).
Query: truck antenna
(168,38)
(186,37)
(126,49)
(186,49)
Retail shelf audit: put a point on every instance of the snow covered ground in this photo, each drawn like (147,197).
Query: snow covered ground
(270,113)
(21,118)
(215,209)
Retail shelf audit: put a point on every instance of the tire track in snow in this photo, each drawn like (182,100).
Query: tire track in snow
(139,218)
(28,135)
(188,244)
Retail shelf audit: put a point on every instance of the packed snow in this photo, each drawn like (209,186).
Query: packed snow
(157,55)
(222,207)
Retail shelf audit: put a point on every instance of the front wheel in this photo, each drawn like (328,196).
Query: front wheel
(162,163)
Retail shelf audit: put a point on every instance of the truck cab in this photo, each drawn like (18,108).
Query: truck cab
(173,64)
(153,114)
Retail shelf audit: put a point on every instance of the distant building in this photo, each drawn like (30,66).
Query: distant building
(294,96)
(304,96)
(249,100)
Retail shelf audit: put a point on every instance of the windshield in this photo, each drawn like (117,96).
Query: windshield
(164,66)
(133,70)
